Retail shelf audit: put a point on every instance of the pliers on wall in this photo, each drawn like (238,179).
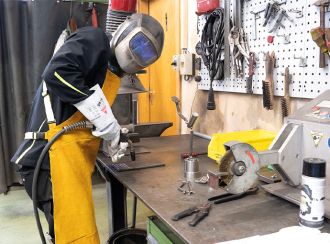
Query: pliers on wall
(200,211)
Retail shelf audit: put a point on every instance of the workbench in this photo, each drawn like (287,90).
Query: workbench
(258,214)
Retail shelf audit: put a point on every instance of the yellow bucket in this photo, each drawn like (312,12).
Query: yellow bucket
(259,139)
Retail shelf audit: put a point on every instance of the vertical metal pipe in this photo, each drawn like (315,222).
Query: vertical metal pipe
(191,142)
(134,212)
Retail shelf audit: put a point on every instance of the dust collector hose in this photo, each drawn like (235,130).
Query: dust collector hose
(74,126)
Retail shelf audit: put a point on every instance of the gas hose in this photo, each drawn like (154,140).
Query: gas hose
(74,126)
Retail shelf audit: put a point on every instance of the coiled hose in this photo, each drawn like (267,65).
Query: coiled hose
(212,44)
(74,126)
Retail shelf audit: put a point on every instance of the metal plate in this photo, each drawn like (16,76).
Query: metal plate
(307,82)
(291,194)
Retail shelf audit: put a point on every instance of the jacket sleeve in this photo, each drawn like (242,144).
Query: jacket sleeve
(71,72)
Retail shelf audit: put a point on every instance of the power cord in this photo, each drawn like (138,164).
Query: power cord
(212,43)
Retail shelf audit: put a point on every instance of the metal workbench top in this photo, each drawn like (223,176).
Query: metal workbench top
(253,215)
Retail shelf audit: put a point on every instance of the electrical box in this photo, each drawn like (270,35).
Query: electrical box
(184,63)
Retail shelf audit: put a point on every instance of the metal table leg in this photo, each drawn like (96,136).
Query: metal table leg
(116,197)
(116,194)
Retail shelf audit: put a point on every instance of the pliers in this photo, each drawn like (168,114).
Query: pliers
(229,197)
(203,210)
(200,211)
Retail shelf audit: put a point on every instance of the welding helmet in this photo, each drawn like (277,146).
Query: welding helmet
(137,43)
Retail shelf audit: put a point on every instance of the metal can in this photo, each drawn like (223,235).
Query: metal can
(312,193)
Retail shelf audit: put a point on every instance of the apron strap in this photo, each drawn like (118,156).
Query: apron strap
(34,135)
(48,106)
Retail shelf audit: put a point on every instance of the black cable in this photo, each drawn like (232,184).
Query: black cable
(212,43)
(78,125)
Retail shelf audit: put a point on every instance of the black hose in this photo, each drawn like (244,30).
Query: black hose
(212,43)
(74,126)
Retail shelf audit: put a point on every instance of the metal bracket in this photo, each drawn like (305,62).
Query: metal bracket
(289,160)
(286,38)
(299,13)
(303,62)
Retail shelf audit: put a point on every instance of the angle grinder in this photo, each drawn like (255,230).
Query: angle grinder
(238,168)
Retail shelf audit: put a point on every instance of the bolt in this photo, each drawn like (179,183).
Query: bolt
(241,169)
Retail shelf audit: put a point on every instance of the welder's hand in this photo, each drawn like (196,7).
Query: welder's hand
(120,152)
(110,133)
(116,148)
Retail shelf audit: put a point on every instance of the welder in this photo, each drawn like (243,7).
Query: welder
(80,83)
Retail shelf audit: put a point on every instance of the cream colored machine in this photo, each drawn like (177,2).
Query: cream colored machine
(305,134)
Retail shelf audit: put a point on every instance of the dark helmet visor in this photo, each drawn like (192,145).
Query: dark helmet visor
(143,49)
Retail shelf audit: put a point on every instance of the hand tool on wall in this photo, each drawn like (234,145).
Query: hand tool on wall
(237,13)
(279,19)
(274,11)
(268,83)
(285,100)
(227,28)
(327,38)
(322,4)
(252,66)
(201,212)
(270,12)
(239,49)
(318,37)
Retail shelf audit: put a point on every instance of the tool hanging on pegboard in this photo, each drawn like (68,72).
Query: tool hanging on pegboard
(212,50)
(322,4)
(288,33)
(239,48)
(268,83)
(285,100)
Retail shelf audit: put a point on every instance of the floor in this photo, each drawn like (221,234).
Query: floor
(17,223)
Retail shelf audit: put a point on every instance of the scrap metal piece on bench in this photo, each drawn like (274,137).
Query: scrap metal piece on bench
(146,130)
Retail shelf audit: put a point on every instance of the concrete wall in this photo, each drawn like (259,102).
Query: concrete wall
(234,111)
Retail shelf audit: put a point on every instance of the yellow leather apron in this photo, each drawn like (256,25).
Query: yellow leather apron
(72,162)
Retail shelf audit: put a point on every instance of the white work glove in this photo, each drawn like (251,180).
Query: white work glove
(97,110)
(114,149)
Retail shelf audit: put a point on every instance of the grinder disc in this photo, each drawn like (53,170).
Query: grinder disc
(238,168)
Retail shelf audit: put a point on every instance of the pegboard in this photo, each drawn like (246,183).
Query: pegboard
(307,82)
